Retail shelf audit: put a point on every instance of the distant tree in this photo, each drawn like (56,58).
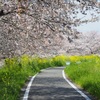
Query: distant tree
(88,43)
(91,41)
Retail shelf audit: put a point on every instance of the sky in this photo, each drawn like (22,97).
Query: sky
(95,26)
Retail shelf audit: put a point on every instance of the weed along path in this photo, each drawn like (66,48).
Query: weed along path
(51,84)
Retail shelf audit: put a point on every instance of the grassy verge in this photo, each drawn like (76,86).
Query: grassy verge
(85,71)
(17,70)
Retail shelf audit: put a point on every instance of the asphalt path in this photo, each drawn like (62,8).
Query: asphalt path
(50,84)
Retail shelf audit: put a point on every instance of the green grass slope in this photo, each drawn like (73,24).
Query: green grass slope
(85,71)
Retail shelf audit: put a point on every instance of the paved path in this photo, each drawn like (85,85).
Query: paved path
(50,85)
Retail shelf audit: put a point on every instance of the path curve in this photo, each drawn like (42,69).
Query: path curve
(51,85)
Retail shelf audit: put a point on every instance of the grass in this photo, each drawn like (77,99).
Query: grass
(85,71)
(16,71)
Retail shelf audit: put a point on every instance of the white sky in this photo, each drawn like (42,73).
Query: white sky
(95,26)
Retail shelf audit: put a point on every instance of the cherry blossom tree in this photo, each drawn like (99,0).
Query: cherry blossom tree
(27,24)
